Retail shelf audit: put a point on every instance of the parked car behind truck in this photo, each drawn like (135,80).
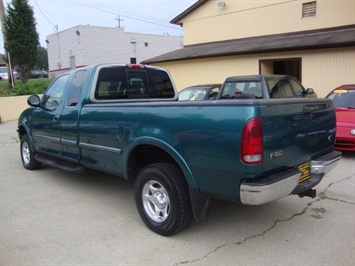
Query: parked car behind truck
(264,87)
(344,100)
(200,92)
(125,120)
(35,74)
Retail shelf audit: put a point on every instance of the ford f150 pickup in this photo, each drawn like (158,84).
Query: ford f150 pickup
(125,120)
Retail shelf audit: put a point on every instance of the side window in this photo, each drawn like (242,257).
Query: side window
(213,93)
(286,87)
(53,96)
(75,88)
(297,88)
(275,88)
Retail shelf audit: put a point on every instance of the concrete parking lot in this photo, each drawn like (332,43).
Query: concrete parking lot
(51,217)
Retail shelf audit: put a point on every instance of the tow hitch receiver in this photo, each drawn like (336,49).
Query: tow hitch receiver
(308,193)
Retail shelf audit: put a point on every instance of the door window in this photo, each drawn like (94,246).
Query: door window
(75,88)
(54,94)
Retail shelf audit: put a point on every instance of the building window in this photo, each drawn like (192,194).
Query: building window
(309,9)
(133,60)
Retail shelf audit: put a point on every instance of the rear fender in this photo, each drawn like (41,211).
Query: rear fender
(165,147)
(199,202)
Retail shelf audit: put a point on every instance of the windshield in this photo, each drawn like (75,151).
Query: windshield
(343,98)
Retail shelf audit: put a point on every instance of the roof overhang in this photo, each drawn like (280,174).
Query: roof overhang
(177,19)
(305,40)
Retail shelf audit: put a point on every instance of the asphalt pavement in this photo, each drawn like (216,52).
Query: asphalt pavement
(51,217)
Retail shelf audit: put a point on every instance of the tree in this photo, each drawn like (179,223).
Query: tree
(21,37)
(42,58)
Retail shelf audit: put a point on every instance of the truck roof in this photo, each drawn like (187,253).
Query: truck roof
(253,77)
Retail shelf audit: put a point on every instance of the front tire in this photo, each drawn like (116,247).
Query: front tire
(162,198)
(27,154)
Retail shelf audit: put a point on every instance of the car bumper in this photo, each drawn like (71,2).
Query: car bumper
(345,143)
(284,183)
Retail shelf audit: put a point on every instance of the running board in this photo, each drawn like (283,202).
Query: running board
(66,166)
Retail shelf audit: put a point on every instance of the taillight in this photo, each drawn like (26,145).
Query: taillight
(135,66)
(252,142)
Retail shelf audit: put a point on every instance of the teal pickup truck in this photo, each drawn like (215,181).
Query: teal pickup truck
(125,120)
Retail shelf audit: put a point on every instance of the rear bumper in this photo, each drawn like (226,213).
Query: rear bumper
(284,183)
(325,163)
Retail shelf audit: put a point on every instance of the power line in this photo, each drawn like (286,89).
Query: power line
(43,13)
(130,15)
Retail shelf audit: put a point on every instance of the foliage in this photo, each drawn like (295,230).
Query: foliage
(32,86)
(21,37)
(42,59)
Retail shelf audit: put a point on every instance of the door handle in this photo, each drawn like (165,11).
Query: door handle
(56,118)
(307,113)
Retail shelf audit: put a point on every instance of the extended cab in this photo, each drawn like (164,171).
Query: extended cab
(125,120)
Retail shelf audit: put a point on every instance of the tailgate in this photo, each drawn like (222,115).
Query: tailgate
(296,131)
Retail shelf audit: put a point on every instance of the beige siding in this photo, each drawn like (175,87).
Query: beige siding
(329,68)
(322,70)
(211,70)
(242,18)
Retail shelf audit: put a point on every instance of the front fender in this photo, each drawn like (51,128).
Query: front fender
(23,125)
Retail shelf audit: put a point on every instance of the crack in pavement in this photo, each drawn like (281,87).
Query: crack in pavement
(9,140)
(321,196)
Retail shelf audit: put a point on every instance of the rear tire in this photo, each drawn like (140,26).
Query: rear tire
(162,198)
(27,154)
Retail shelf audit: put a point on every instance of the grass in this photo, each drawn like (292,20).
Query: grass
(32,86)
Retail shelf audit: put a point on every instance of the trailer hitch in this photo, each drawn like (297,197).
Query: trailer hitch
(308,193)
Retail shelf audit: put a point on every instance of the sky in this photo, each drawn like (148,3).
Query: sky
(142,16)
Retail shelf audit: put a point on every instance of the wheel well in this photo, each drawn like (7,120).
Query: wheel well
(21,131)
(144,155)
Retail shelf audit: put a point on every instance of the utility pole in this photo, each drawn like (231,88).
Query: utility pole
(118,18)
(2,18)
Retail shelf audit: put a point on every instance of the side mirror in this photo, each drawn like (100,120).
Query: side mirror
(34,101)
(309,91)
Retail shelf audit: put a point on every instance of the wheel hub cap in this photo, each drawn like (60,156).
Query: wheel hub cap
(156,201)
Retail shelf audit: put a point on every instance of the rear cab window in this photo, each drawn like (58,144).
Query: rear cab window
(121,82)
(234,88)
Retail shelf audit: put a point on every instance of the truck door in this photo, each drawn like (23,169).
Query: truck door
(46,120)
(70,117)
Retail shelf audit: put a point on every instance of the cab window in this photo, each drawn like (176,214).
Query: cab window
(75,87)
(128,83)
(54,94)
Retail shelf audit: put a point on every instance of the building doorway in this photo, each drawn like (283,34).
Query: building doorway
(290,66)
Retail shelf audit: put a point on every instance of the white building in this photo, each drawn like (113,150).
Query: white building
(86,45)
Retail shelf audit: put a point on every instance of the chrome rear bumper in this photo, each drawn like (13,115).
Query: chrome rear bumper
(282,184)
(325,163)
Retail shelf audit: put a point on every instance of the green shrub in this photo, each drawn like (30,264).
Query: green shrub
(32,86)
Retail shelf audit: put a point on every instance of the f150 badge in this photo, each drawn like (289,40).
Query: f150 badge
(275,154)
